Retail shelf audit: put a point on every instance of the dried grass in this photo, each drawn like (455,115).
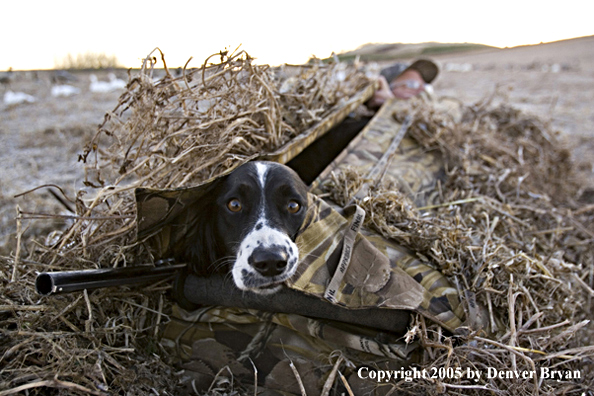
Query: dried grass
(510,230)
(167,133)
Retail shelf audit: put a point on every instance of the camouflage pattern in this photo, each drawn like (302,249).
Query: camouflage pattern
(213,338)
(410,169)
(300,142)
(339,261)
(379,273)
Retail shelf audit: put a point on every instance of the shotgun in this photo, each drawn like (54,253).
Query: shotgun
(48,283)
(191,291)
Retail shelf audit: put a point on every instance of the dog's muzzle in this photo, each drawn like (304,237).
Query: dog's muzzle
(265,259)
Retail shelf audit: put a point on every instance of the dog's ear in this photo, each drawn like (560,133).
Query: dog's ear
(199,245)
(164,216)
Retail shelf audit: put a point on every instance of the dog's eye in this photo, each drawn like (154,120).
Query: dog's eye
(293,206)
(234,205)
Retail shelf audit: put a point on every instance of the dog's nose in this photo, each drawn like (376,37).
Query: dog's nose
(269,262)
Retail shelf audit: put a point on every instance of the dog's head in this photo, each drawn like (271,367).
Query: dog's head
(250,224)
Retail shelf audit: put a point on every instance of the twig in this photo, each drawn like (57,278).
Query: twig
(571,354)
(23,307)
(584,285)
(511,303)
(255,377)
(583,210)
(219,373)
(346,384)
(297,377)
(332,376)
(33,215)
(480,387)
(89,321)
(54,383)
(446,204)
(43,186)
(516,352)
(159,316)
(546,328)
(552,230)
(17,255)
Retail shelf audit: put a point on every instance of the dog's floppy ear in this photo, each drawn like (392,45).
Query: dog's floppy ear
(165,218)
(157,210)
(199,245)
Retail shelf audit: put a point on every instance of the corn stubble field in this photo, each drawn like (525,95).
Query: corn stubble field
(43,140)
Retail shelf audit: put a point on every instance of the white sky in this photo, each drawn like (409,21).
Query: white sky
(36,33)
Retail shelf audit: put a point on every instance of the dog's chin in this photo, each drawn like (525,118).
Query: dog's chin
(254,282)
(267,290)
(261,286)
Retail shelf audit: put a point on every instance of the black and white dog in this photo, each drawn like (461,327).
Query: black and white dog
(247,225)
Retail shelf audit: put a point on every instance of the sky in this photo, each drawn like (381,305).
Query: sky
(39,34)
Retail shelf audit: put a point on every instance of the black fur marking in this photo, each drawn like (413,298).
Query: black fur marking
(213,235)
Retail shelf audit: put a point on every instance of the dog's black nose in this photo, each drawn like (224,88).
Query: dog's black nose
(269,262)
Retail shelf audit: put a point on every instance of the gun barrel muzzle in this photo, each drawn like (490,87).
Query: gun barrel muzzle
(48,283)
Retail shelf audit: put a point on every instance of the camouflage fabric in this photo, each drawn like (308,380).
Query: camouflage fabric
(378,272)
(409,168)
(243,341)
(340,261)
(300,142)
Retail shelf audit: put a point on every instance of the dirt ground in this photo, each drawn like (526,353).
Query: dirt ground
(41,140)
(554,81)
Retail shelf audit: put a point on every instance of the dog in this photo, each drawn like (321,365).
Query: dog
(247,224)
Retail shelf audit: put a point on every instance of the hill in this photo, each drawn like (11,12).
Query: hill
(384,52)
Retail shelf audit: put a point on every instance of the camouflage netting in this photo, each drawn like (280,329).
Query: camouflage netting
(508,227)
(164,133)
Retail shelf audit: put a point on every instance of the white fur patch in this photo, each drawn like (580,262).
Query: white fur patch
(262,169)
(265,237)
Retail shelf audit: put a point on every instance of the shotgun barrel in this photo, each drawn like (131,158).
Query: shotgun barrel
(191,291)
(219,290)
(48,283)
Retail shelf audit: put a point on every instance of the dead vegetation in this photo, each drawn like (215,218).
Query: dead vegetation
(510,229)
(167,133)
(87,60)
(181,131)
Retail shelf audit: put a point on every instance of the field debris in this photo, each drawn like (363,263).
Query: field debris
(163,133)
(181,131)
(509,227)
